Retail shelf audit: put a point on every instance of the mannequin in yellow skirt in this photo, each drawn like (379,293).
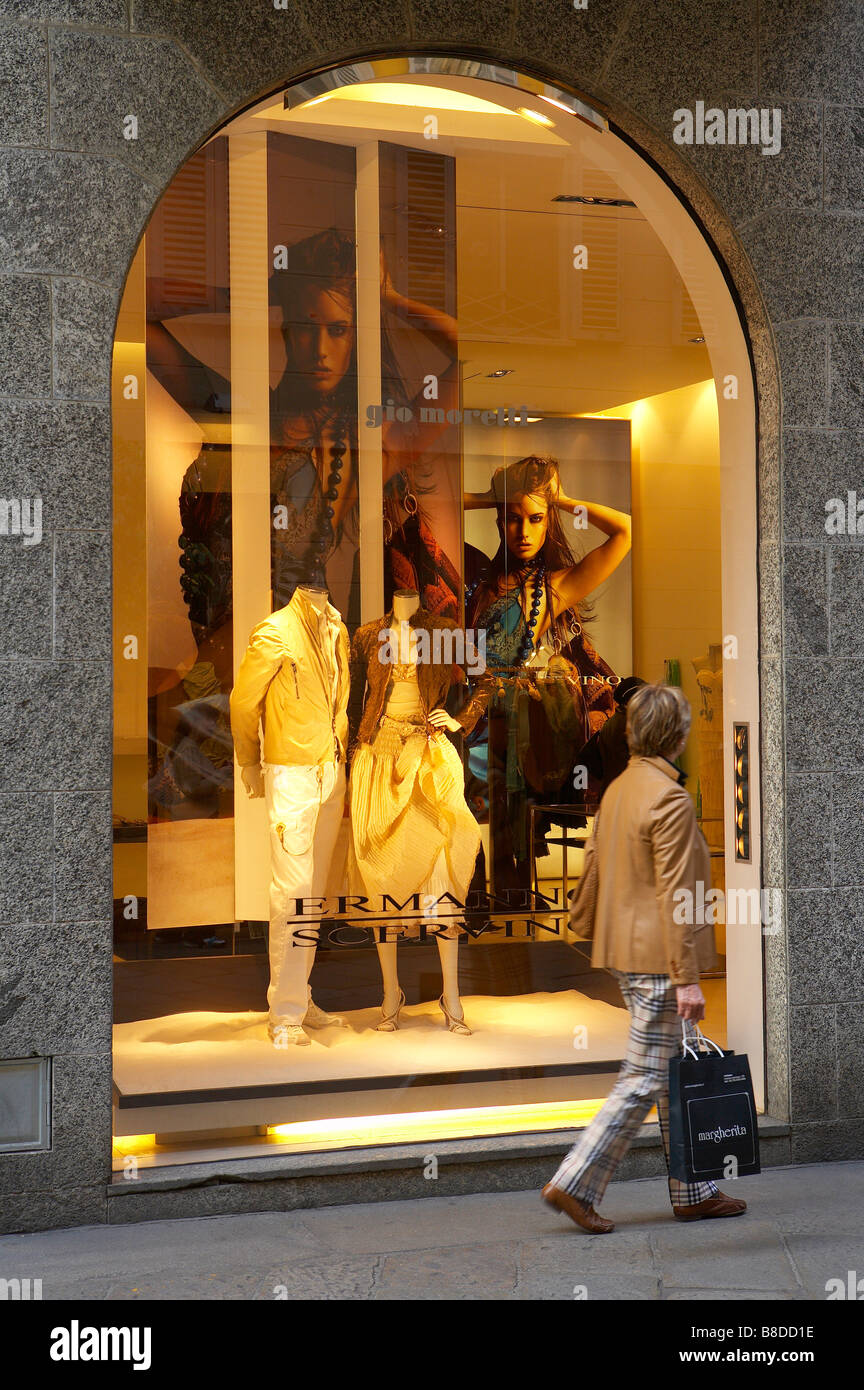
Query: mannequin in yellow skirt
(411,829)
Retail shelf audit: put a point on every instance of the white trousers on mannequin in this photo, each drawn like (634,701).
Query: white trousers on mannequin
(304,809)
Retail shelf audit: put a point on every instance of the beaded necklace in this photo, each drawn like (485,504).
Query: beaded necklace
(322,536)
(535,569)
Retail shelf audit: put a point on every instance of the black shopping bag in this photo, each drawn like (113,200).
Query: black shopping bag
(712,1114)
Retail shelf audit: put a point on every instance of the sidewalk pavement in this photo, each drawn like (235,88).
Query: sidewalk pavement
(804,1226)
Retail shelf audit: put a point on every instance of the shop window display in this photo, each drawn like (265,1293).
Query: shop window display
(390,629)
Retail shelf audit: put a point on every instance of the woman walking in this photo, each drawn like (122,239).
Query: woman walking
(648,847)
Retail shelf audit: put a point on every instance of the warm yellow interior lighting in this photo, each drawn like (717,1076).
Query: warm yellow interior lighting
(124,1144)
(410,94)
(534,116)
(439,1124)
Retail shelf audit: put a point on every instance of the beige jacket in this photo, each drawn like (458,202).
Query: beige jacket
(285,681)
(648,845)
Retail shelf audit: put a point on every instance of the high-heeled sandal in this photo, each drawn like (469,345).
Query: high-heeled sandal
(390,1022)
(456,1025)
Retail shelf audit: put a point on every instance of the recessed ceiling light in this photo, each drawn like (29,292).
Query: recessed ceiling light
(593,202)
(535,419)
(536,116)
(502,371)
(695,340)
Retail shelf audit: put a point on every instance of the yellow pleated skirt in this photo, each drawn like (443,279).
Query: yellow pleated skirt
(411,829)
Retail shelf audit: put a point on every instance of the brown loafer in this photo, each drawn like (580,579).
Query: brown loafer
(721,1205)
(583,1215)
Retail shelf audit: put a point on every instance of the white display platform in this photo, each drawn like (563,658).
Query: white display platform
(194,1052)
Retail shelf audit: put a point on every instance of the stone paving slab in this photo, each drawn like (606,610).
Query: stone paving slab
(460,1271)
(736,1253)
(825,1255)
(566,1250)
(804,1226)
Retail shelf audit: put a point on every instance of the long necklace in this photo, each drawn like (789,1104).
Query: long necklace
(537,571)
(322,536)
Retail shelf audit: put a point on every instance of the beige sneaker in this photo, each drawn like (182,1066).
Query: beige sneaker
(287,1035)
(317,1018)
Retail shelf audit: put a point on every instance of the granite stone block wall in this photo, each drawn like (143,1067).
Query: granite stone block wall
(75,197)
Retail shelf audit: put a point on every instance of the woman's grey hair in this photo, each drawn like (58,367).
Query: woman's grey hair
(658,721)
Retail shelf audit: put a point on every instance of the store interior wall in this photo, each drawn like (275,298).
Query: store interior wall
(676,533)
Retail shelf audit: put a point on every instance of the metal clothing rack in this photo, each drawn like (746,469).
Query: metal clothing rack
(580,834)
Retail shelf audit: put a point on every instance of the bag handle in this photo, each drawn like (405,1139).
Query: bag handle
(699,1038)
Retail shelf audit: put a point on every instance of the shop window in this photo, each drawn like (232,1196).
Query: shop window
(377,396)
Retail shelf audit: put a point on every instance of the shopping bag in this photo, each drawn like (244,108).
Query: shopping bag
(712,1115)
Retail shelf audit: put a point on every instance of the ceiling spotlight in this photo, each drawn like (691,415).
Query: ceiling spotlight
(593,202)
(695,340)
(502,371)
(535,116)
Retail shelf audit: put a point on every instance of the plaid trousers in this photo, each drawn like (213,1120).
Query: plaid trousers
(655,1034)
